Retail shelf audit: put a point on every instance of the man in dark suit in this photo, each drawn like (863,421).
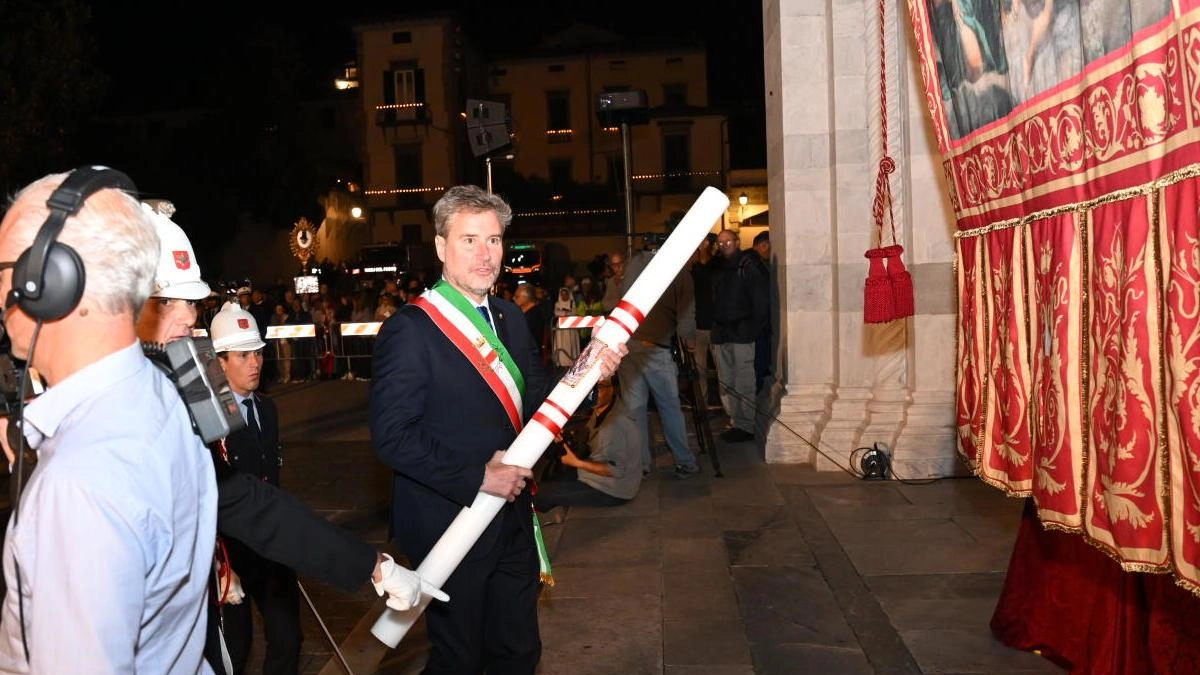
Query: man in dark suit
(254,450)
(455,377)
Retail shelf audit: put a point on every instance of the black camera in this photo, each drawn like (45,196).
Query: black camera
(192,365)
(11,376)
(655,239)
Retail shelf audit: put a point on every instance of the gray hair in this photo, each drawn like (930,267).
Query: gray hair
(114,237)
(468,199)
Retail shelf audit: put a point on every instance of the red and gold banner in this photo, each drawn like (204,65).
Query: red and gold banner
(1070,138)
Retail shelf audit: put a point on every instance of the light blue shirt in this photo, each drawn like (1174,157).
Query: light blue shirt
(115,530)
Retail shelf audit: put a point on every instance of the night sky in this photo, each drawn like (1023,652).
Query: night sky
(231,58)
(158,60)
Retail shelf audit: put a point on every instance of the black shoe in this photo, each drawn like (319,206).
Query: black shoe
(683,471)
(736,435)
(554,516)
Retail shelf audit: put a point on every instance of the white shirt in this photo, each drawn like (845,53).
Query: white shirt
(114,532)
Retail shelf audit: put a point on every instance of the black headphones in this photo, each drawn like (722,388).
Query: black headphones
(48,276)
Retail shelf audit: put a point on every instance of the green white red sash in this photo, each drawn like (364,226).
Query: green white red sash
(459,321)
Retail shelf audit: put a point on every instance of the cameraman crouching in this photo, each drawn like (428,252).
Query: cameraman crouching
(612,473)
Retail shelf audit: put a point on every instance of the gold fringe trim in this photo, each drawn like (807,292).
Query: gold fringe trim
(547,579)
(1127,193)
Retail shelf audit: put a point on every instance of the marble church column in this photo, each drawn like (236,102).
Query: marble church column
(800,128)
(842,383)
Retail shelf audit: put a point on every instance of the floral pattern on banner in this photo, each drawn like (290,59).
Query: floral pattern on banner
(1007,444)
(1072,159)
(970,373)
(1122,115)
(1181,235)
(1125,510)
(1054,331)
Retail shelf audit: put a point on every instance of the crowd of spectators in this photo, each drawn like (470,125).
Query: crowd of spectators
(329,355)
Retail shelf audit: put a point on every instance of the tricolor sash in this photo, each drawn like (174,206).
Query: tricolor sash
(456,317)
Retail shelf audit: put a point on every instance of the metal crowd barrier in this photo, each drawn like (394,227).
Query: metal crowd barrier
(300,351)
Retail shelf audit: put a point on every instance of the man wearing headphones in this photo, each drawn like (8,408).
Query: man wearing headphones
(266,520)
(109,549)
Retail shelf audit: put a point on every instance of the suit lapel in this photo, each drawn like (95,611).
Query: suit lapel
(500,319)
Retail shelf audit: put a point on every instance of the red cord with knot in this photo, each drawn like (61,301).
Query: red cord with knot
(888,292)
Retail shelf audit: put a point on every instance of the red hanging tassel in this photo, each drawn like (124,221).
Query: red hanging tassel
(878,303)
(901,282)
(888,294)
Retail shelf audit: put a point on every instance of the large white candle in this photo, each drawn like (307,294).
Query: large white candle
(549,419)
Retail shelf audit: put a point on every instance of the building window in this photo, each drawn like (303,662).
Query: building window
(410,233)
(556,68)
(675,94)
(406,158)
(402,37)
(406,86)
(616,172)
(677,160)
(558,116)
(609,88)
(616,65)
(403,94)
(674,60)
(560,174)
(499,72)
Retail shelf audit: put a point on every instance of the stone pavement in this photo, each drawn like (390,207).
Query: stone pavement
(770,569)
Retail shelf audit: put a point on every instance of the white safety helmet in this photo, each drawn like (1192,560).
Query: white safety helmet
(178,274)
(234,329)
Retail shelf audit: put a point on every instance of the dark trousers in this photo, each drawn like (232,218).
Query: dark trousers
(566,490)
(762,359)
(272,588)
(490,622)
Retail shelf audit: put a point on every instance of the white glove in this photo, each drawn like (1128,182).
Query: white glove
(403,586)
(229,587)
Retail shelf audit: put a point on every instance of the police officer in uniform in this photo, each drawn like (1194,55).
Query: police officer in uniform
(254,450)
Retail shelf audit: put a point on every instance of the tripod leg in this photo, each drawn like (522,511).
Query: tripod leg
(700,411)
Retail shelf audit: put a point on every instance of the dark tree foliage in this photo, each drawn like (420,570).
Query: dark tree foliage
(48,86)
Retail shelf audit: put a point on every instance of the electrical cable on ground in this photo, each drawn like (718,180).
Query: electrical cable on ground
(857,453)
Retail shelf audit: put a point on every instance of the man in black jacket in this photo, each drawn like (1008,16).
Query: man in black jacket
(740,299)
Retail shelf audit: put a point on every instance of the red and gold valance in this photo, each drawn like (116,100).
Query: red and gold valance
(1070,135)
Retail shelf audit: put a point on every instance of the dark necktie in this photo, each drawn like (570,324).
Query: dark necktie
(487,317)
(251,419)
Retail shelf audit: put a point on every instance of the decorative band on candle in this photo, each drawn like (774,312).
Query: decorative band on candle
(550,424)
(552,404)
(616,321)
(633,311)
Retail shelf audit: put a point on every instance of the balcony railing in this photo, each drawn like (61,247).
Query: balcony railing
(397,114)
(675,182)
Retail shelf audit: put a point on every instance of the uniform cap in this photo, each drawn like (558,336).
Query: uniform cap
(178,274)
(233,329)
